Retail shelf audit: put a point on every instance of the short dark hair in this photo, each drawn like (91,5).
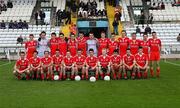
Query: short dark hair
(36,52)
(116,51)
(91,50)
(128,49)
(153,32)
(81,32)
(43,32)
(46,51)
(140,47)
(61,34)
(22,52)
(113,33)
(79,49)
(133,34)
(31,35)
(57,50)
(53,33)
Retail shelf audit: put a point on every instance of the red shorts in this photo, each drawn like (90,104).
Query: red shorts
(56,68)
(127,69)
(155,56)
(115,67)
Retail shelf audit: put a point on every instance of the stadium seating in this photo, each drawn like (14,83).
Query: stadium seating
(22,9)
(60,4)
(166,32)
(170,13)
(8,37)
(125,13)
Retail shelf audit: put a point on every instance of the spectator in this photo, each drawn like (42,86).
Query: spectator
(115,26)
(36,17)
(148,30)
(138,30)
(150,18)
(20,24)
(25,25)
(9,4)
(11,24)
(19,40)
(142,30)
(3,25)
(162,6)
(142,18)
(74,9)
(68,21)
(178,38)
(73,28)
(15,25)
(4,7)
(42,17)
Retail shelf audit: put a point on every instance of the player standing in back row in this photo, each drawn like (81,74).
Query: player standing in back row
(155,51)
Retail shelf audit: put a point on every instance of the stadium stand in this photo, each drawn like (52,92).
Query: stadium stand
(166,32)
(125,13)
(22,9)
(170,13)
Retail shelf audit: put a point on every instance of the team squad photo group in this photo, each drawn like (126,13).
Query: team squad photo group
(89,58)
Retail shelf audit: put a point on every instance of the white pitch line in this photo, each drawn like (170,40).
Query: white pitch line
(175,64)
(5,64)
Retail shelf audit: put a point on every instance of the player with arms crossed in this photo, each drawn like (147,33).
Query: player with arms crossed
(68,66)
(22,67)
(91,64)
(57,64)
(141,63)
(79,65)
(53,43)
(35,65)
(123,43)
(129,64)
(116,65)
(30,46)
(155,51)
(46,65)
(104,64)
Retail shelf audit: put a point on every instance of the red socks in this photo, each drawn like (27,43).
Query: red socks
(152,72)
(52,76)
(114,76)
(158,72)
(145,74)
(139,75)
(42,76)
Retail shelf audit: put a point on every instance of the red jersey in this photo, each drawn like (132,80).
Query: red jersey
(72,46)
(155,45)
(116,59)
(46,61)
(53,45)
(22,64)
(145,46)
(134,46)
(104,60)
(57,60)
(62,46)
(82,44)
(123,45)
(30,48)
(68,61)
(103,43)
(79,60)
(141,59)
(35,62)
(112,46)
(128,60)
(91,61)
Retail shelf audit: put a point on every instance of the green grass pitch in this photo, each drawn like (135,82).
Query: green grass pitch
(151,93)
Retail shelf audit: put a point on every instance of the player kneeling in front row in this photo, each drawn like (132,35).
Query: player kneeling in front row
(79,65)
(129,64)
(68,66)
(22,67)
(141,63)
(116,65)
(46,65)
(35,65)
(57,64)
(91,65)
(104,64)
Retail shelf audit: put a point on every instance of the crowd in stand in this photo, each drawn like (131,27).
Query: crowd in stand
(143,30)
(39,17)
(63,16)
(14,25)
(4,6)
(89,10)
(157,6)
